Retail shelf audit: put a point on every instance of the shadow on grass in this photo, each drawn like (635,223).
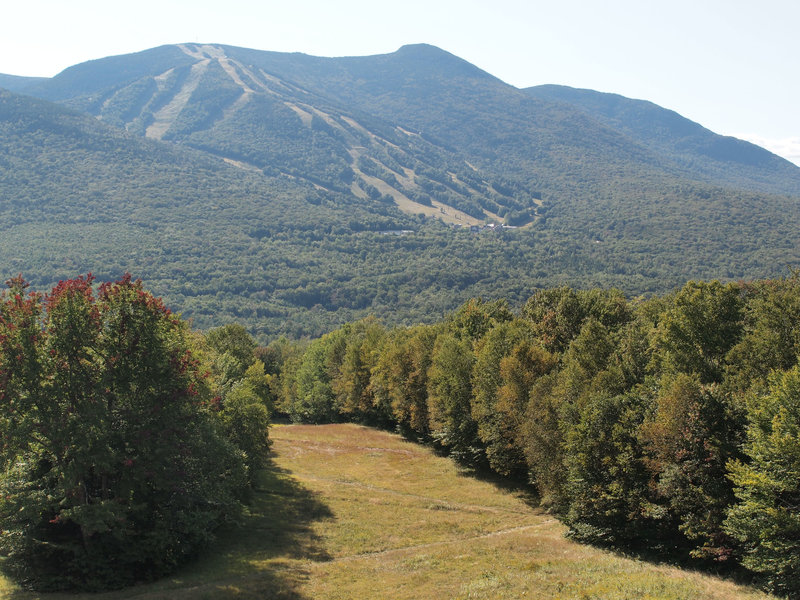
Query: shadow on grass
(264,556)
(473,463)
(665,551)
(517,486)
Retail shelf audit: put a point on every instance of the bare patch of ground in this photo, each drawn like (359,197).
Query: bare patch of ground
(164,118)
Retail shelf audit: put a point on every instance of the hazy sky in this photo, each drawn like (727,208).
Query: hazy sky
(730,65)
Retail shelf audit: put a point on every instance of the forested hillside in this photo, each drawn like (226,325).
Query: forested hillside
(359,201)
(722,160)
(16,83)
(295,193)
(666,426)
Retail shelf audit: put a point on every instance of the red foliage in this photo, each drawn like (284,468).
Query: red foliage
(79,285)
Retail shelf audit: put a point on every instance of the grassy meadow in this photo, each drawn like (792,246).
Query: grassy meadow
(365,514)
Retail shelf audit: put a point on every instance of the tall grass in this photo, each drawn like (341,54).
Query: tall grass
(349,512)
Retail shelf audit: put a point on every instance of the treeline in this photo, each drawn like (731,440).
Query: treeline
(126,439)
(670,424)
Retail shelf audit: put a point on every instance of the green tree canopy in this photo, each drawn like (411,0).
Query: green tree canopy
(766,520)
(113,469)
(702,323)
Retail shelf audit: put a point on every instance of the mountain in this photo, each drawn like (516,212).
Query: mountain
(77,195)
(420,125)
(216,99)
(15,83)
(294,193)
(722,160)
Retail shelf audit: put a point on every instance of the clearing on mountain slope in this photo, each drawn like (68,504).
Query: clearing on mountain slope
(350,512)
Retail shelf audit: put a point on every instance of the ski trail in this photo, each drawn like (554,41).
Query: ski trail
(164,118)
(453,505)
(482,536)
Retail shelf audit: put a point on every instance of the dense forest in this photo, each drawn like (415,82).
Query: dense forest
(293,194)
(127,439)
(222,244)
(667,426)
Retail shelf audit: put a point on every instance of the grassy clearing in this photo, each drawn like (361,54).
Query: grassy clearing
(364,514)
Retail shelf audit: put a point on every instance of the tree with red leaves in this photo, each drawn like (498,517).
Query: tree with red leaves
(113,469)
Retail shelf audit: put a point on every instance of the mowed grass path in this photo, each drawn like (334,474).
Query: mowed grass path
(360,513)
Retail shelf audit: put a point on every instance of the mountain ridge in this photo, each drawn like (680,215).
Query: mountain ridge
(398,86)
(321,183)
(650,124)
(19,83)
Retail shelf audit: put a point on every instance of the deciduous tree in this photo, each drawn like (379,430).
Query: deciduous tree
(113,469)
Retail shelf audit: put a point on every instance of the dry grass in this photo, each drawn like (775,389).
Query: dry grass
(349,512)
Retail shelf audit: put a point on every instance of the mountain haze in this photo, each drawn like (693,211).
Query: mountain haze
(15,83)
(253,185)
(719,159)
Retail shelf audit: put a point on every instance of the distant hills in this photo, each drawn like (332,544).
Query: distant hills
(722,160)
(294,192)
(17,83)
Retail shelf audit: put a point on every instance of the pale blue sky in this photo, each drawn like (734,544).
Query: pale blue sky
(730,65)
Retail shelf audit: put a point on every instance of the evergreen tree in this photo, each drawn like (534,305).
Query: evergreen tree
(607,482)
(690,436)
(702,323)
(766,519)
(449,396)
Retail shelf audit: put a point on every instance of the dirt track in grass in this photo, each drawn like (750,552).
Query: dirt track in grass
(348,512)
